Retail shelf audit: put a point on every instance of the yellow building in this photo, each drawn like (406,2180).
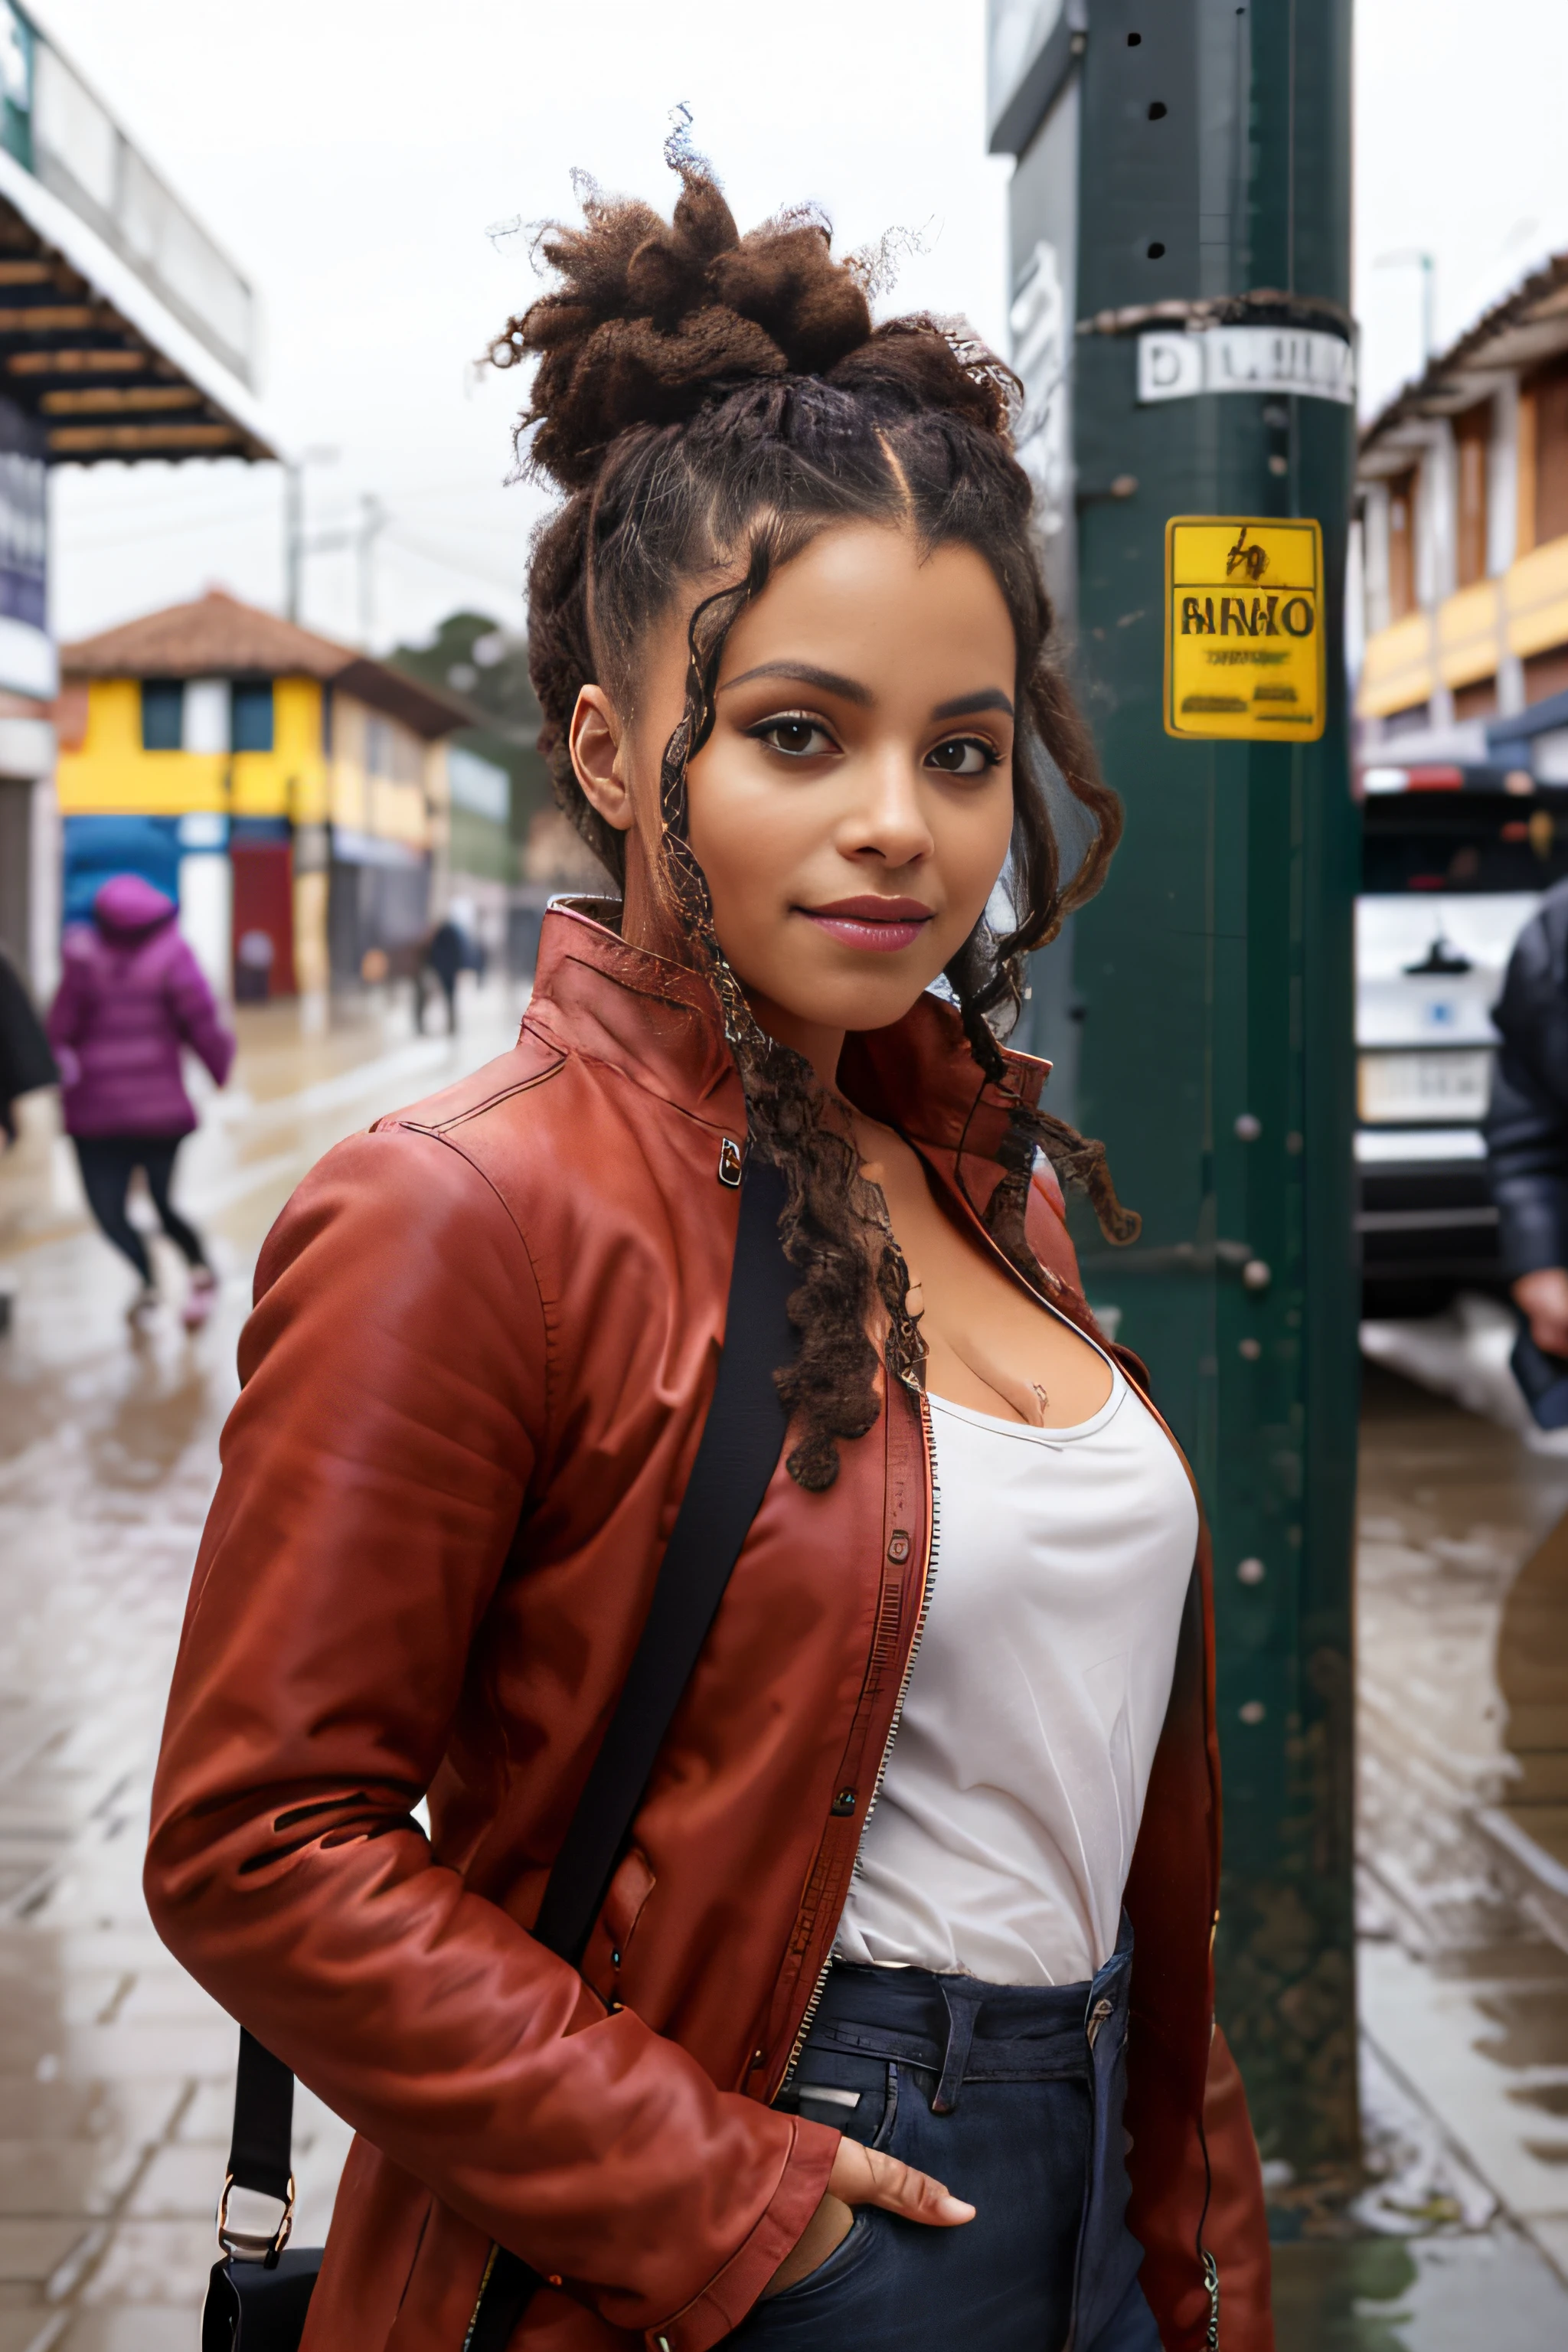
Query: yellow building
(291,791)
(1464,500)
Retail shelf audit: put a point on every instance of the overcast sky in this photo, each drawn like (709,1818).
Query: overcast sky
(355,157)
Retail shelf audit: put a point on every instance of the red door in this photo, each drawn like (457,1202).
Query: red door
(263,921)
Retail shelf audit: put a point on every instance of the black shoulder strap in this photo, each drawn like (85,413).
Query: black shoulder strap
(736,1458)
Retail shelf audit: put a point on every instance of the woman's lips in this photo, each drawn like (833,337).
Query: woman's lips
(881,925)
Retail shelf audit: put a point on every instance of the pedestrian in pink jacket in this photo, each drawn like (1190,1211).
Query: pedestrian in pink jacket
(132,996)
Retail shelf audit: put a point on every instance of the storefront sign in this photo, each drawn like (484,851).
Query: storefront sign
(1244,628)
(1246,359)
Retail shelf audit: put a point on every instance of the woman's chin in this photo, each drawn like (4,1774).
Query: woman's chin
(864,1006)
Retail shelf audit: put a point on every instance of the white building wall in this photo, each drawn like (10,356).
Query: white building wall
(44,891)
(207,916)
(1502,479)
(1502,525)
(1374,558)
(1436,487)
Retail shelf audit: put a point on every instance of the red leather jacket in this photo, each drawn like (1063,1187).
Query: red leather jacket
(484,1341)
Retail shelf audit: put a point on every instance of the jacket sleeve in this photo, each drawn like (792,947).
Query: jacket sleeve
(63,1026)
(1235,2227)
(1527,1122)
(1527,1167)
(196,1014)
(374,1470)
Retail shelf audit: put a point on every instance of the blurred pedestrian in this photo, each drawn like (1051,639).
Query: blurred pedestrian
(131,995)
(446,953)
(1527,1124)
(26,1061)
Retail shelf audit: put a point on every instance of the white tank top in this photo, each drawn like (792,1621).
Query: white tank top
(1002,1838)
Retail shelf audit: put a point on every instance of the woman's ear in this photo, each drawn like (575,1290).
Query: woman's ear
(594,740)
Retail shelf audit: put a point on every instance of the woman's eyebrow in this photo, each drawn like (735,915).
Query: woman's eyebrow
(826,681)
(965,706)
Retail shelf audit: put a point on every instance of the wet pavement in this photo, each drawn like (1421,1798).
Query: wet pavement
(1460,2235)
(116,2070)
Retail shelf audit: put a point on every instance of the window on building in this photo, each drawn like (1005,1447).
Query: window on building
(378,746)
(1478,700)
(1472,438)
(327,720)
(1546,674)
(1549,401)
(251,718)
(163,714)
(1402,545)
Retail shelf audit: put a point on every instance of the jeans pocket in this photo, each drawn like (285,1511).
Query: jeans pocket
(858,2097)
(841,2265)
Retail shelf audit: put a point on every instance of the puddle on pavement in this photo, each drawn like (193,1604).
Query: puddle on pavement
(1532,2025)
(1423,2295)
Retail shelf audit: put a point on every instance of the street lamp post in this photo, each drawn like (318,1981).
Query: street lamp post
(295,547)
(1416,258)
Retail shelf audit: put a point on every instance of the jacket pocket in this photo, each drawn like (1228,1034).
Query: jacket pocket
(604,1956)
(443,2283)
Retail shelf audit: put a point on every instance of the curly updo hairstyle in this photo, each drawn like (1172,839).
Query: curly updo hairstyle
(710,403)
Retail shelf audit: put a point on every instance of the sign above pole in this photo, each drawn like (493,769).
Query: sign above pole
(1244,628)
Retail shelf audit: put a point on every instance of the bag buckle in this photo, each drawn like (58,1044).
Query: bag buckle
(255,2245)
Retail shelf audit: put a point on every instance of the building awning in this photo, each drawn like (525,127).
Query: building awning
(88,350)
(1529,326)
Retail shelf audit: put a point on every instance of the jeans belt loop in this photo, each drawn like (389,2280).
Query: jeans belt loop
(962,2010)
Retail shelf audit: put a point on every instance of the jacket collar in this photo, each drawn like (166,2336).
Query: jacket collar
(656,1023)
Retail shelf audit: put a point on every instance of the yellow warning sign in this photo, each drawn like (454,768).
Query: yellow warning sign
(1244,628)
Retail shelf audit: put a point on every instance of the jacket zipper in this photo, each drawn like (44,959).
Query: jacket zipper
(933,1533)
(479,2298)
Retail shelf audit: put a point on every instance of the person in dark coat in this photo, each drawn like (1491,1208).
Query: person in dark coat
(446,953)
(26,1061)
(1527,1124)
(132,997)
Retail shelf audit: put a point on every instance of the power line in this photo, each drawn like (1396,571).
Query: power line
(70,539)
(447,562)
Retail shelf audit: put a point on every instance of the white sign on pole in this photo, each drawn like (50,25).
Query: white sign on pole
(1040,357)
(1246,359)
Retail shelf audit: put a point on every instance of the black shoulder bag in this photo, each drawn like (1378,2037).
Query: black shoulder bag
(259,2290)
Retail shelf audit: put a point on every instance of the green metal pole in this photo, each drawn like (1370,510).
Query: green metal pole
(1214,974)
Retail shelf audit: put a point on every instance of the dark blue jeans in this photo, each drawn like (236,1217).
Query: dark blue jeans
(1013,2098)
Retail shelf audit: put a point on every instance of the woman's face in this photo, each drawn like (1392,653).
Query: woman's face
(852,805)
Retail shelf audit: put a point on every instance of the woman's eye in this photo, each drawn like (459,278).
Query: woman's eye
(801,738)
(964,755)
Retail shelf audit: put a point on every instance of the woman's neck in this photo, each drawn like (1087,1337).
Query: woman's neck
(821,1046)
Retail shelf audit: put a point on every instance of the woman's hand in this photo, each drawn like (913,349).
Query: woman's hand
(863,2176)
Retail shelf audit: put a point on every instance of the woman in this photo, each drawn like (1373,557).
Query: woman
(131,997)
(788,632)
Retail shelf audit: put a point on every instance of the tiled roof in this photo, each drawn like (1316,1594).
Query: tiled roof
(217,637)
(213,638)
(1526,326)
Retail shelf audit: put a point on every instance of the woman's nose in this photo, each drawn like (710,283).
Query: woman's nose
(888,821)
